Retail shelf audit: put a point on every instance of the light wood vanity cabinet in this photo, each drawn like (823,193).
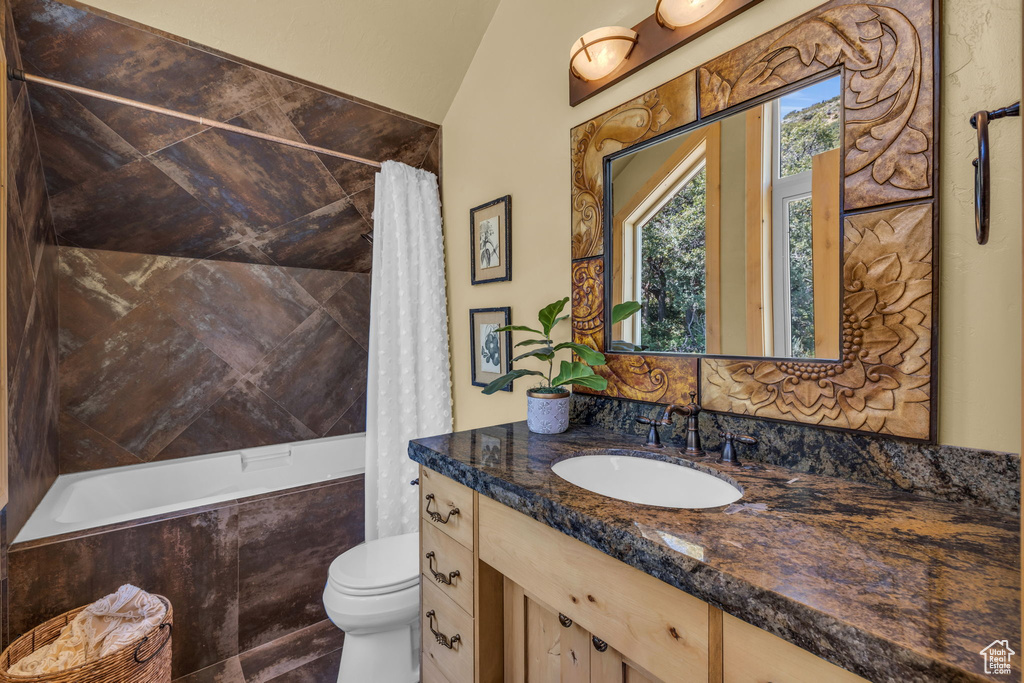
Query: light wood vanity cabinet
(528,603)
(464,609)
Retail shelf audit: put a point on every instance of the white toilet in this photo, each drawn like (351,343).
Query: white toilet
(373,595)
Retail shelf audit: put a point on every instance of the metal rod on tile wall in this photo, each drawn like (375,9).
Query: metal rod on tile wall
(19,75)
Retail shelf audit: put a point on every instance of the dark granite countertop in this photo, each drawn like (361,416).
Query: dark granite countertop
(888,585)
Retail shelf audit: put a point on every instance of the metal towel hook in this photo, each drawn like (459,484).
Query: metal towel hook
(982,190)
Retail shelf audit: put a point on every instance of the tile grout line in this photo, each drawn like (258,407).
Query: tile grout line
(350,406)
(346,194)
(146,297)
(100,435)
(249,376)
(243,377)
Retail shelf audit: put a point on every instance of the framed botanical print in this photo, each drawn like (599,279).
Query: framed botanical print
(490,241)
(490,350)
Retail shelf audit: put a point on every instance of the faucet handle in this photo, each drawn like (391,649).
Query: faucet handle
(729,446)
(653,439)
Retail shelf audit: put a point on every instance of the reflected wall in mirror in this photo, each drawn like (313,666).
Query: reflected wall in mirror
(729,234)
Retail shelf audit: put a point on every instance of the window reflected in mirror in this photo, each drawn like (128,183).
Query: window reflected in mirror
(729,234)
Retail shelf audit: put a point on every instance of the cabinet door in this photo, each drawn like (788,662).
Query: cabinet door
(755,656)
(660,627)
(540,648)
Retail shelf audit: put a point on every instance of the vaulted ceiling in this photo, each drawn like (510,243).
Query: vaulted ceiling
(410,56)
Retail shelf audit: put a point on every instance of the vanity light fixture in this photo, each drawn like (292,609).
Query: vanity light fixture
(673,14)
(599,52)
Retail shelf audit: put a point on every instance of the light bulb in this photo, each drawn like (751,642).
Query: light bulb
(599,52)
(675,13)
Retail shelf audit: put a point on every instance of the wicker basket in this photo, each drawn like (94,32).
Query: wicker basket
(147,660)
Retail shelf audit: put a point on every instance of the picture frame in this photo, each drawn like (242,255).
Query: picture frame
(884,383)
(493,446)
(490,351)
(490,241)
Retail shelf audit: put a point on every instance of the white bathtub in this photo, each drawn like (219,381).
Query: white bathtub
(92,499)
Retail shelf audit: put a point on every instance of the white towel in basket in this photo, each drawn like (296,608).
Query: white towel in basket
(101,628)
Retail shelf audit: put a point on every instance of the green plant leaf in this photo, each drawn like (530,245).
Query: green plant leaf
(548,315)
(595,382)
(622,311)
(589,355)
(502,381)
(518,328)
(533,342)
(545,354)
(579,373)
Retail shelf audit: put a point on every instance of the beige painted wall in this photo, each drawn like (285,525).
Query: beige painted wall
(507,131)
(409,55)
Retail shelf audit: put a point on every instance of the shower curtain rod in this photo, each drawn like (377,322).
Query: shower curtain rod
(20,75)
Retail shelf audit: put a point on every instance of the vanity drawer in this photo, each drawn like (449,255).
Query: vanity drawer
(455,663)
(661,628)
(751,655)
(448,556)
(429,673)
(443,496)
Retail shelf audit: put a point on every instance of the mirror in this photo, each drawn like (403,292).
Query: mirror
(729,233)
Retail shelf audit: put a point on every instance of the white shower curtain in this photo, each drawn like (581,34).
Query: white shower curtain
(409,378)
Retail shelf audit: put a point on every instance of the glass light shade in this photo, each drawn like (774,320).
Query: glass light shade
(599,52)
(675,13)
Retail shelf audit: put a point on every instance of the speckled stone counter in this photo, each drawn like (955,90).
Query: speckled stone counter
(888,585)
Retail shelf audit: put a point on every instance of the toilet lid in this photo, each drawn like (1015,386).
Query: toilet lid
(385,565)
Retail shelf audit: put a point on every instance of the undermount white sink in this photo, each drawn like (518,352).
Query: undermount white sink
(637,479)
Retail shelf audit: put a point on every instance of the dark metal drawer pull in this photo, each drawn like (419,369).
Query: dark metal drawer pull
(599,644)
(435,515)
(564,620)
(442,639)
(439,576)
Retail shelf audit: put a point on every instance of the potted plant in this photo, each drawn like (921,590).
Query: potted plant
(547,409)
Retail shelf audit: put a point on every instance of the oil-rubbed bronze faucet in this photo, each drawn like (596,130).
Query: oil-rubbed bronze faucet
(691,411)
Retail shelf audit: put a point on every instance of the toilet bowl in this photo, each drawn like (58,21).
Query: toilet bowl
(373,595)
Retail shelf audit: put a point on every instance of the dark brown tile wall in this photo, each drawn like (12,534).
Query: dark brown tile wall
(125,180)
(245,579)
(235,355)
(32,304)
(285,545)
(228,271)
(192,560)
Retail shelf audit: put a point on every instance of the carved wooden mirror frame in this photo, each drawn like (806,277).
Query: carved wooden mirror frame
(885,380)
